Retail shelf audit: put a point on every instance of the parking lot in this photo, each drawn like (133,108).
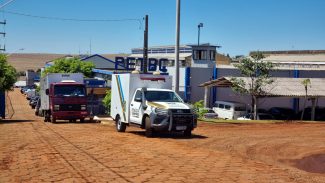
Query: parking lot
(34,151)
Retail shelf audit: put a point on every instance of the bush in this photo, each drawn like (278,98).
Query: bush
(107,101)
(199,108)
(201,112)
(199,104)
(37,89)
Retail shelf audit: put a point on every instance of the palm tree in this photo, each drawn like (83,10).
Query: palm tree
(306,83)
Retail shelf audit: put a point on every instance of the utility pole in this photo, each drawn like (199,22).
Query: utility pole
(145,47)
(4,24)
(3,48)
(178,13)
(199,32)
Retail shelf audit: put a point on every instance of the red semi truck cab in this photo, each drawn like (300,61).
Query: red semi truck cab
(68,101)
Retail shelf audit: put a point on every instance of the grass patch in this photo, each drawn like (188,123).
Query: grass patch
(244,121)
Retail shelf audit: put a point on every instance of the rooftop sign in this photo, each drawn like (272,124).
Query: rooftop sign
(130,64)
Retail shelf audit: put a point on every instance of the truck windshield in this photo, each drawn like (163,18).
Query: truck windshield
(69,91)
(161,96)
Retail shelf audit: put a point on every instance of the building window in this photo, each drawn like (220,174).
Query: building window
(200,55)
(203,55)
(195,55)
(212,55)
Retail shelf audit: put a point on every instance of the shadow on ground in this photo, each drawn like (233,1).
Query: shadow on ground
(314,163)
(173,135)
(14,121)
(74,122)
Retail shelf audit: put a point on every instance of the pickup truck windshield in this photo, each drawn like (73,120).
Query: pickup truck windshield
(161,96)
(69,91)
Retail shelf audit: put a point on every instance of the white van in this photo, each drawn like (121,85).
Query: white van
(229,110)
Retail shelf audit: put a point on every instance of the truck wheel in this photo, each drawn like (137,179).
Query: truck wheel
(120,126)
(53,119)
(149,130)
(188,132)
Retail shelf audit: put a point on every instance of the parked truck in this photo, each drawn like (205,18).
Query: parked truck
(148,102)
(63,97)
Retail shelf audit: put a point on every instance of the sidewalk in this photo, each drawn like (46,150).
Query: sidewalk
(106,120)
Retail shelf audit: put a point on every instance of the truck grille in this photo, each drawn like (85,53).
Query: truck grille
(181,111)
(70,107)
(183,119)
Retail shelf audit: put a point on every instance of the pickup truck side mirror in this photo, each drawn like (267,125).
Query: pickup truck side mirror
(47,92)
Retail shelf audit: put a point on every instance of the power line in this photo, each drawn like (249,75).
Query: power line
(5,4)
(73,19)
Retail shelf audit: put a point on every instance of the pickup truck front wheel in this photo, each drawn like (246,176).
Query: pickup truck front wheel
(120,126)
(149,130)
(188,133)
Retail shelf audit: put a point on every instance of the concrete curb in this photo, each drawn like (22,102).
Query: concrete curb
(104,120)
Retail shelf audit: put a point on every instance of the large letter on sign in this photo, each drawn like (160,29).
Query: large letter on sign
(141,63)
(152,64)
(119,61)
(162,65)
(130,63)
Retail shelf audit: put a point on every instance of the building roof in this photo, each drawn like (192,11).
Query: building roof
(181,46)
(163,47)
(113,56)
(293,56)
(296,58)
(281,87)
(299,52)
(169,56)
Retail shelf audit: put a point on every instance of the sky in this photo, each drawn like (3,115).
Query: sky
(239,26)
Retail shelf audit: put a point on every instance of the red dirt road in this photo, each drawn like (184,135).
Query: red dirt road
(34,151)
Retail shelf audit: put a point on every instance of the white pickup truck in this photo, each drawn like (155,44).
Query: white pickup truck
(147,101)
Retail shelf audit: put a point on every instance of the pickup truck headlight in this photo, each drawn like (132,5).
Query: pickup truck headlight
(161,112)
(83,107)
(56,107)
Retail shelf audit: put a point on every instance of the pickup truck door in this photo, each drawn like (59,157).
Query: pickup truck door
(136,110)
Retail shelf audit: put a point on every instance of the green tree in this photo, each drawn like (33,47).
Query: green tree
(72,65)
(107,101)
(8,74)
(306,83)
(258,73)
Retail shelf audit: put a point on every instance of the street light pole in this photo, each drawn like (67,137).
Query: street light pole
(199,32)
(178,13)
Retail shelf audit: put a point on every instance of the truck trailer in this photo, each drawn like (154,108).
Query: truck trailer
(148,102)
(63,97)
